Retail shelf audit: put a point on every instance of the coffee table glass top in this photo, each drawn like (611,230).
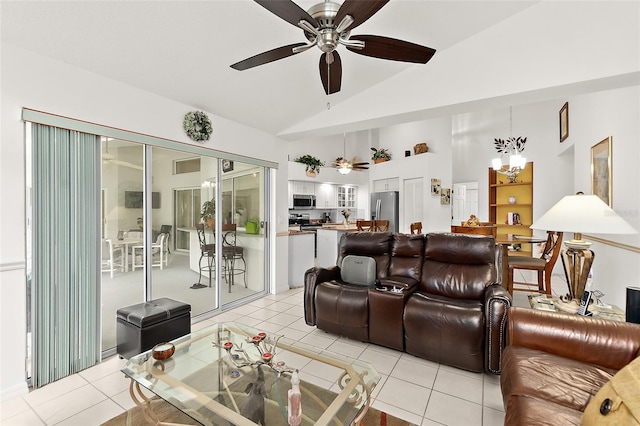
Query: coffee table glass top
(226,373)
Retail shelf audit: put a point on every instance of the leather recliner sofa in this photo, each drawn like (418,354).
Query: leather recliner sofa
(554,364)
(450,308)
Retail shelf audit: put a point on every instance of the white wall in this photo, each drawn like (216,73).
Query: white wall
(37,82)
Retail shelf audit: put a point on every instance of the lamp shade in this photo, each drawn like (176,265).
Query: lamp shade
(583,214)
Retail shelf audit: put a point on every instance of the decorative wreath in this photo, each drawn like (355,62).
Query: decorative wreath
(197,125)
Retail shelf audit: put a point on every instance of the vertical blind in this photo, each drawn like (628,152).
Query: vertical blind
(66,252)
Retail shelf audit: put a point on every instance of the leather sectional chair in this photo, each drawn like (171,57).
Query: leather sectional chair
(555,363)
(450,308)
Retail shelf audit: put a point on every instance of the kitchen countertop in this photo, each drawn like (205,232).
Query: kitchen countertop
(339,227)
(301,233)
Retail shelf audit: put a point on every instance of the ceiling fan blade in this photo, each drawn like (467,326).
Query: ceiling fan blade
(360,10)
(288,10)
(392,49)
(266,57)
(360,164)
(331,74)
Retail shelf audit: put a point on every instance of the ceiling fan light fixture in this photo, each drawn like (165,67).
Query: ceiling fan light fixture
(344,169)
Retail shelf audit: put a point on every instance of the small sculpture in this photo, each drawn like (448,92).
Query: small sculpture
(472,221)
(253,408)
(295,401)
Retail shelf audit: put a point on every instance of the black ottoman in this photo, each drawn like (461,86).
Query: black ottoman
(140,327)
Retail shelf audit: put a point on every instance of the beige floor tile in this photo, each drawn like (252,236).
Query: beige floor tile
(12,407)
(112,384)
(406,396)
(26,418)
(458,385)
(284,319)
(94,415)
(69,404)
(343,348)
(382,362)
(492,397)
(452,411)
(491,417)
(419,374)
(53,390)
(292,333)
(397,412)
(317,341)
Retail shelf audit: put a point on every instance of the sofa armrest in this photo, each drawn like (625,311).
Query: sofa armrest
(313,277)
(609,344)
(497,302)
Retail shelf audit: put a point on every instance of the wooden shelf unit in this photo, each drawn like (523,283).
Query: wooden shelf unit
(499,192)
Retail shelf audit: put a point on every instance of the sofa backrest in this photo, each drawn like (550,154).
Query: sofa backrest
(407,252)
(374,244)
(458,265)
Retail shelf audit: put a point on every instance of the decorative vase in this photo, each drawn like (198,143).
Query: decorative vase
(512,200)
(311,173)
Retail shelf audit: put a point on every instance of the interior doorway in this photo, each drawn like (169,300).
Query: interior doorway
(464,202)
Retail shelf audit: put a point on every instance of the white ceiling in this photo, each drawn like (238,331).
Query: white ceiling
(182,50)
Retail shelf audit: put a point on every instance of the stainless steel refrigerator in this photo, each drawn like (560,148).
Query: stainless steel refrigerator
(384,206)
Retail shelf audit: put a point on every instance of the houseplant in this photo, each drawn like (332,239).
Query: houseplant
(380,155)
(208,212)
(312,163)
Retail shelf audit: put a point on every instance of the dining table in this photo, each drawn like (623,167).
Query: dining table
(126,244)
(507,240)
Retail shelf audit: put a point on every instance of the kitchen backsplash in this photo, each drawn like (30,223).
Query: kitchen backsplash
(335,215)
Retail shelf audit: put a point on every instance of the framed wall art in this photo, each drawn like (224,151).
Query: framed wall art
(445,196)
(435,186)
(601,168)
(564,122)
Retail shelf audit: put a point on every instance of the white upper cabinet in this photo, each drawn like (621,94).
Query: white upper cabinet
(383,185)
(326,196)
(347,196)
(305,188)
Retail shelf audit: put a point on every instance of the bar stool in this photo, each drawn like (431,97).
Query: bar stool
(207,251)
(232,253)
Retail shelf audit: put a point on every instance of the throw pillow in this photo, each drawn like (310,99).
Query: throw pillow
(359,270)
(617,402)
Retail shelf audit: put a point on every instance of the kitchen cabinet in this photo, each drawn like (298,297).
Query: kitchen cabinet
(305,188)
(511,205)
(290,198)
(347,196)
(382,185)
(326,196)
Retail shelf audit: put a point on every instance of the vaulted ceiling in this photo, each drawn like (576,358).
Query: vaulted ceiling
(182,50)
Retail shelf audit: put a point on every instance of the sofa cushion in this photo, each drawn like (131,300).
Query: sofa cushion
(531,411)
(458,266)
(445,330)
(373,244)
(358,270)
(343,309)
(549,377)
(406,256)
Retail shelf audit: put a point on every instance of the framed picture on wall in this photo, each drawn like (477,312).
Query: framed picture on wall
(445,196)
(564,121)
(227,165)
(435,186)
(601,170)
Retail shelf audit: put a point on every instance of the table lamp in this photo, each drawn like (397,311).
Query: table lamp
(581,213)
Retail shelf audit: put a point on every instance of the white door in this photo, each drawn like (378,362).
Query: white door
(464,201)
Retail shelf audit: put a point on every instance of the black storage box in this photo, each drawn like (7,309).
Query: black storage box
(140,327)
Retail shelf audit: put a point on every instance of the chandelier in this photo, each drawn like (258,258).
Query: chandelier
(511,147)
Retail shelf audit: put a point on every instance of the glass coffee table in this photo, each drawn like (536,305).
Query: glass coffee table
(553,304)
(230,373)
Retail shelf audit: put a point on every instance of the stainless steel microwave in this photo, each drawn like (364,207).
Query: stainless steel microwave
(304,201)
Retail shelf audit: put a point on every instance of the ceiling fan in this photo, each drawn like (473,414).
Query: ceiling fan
(329,24)
(345,166)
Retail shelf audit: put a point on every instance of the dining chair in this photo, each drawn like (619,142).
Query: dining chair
(166,229)
(158,248)
(112,257)
(364,225)
(381,225)
(416,228)
(231,253)
(543,265)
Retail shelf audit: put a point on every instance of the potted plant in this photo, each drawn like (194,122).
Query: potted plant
(380,155)
(312,163)
(208,212)
(140,222)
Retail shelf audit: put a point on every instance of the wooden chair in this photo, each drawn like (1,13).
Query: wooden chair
(416,228)
(364,225)
(380,225)
(543,265)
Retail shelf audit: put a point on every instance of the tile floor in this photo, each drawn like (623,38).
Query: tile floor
(420,391)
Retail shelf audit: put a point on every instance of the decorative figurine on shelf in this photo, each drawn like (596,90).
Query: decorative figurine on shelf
(346,213)
(295,401)
(253,408)
(472,221)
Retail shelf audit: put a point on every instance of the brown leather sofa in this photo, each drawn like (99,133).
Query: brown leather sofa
(555,363)
(451,308)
